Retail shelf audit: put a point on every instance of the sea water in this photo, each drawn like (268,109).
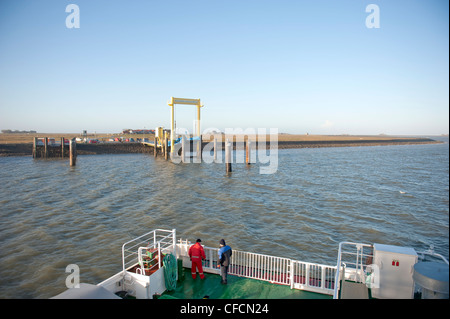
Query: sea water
(54,215)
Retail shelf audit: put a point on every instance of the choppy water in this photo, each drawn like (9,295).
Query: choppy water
(53,215)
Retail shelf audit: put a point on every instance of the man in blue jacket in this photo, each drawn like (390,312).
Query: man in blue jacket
(224,260)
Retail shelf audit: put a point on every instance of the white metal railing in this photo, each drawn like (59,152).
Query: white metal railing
(424,255)
(296,274)
(160,240)
(212,259)
(314,277)
(354,262)
(261,267)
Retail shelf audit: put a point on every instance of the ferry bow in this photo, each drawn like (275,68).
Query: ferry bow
(153,265)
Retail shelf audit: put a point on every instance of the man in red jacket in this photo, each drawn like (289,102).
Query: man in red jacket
(197,254)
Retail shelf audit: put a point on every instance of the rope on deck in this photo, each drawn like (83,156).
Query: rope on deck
(170,271)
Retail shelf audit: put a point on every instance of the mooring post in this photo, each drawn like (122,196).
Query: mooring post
(197,146)
(34,147)
(215,149)
(199,150)
(247,151)
(228,156)
(183,148)
(166,148)
(155,148)
(73,152)
(62,147)
(45,147)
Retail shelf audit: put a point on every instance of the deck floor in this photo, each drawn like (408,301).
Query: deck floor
(237,288)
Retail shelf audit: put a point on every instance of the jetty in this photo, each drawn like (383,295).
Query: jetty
(184,147)
(50,148)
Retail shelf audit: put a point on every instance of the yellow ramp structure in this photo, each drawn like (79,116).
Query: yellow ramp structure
(175,100)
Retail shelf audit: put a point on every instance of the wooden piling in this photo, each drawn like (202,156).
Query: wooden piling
(215,149)
(183,149)
(156,147)
(228,156)
(247,152)
(45,147)
(62,147)
(34,147)
(199,150)
(163,147)
(73,152)
(166,148)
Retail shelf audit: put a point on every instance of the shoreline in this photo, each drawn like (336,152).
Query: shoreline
(355,143)
(25,149)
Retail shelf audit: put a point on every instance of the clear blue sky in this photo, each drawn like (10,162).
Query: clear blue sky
(300,66)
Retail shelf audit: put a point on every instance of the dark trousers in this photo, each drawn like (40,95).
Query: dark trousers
(224,273)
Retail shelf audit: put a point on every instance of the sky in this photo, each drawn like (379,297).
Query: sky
(301,66)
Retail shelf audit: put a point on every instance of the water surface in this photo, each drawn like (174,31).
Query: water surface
(53,215)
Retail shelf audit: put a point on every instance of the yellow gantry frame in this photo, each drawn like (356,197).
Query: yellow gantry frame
(172,102)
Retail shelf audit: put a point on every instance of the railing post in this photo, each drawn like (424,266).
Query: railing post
(210,259)
(174,241)
(123,258)
(291,273)
(159,255)
(322,279)
(307,279)
(338,274)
